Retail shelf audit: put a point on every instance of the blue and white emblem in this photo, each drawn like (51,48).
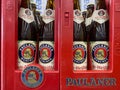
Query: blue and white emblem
(46,53)
(27,52)
(32,76)
(100,53)
(79,53)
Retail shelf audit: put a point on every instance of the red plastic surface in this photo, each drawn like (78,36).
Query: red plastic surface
(69,79)
(117,11)
(0,43)
(11,77)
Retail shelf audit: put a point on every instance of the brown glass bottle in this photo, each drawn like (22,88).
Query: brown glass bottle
(26,35)
(79,25)
(33,7)
(84,13)
(38,19)
(88,22)
(79,44)
(40,25)
(99,37)
(89,27)
(46,44)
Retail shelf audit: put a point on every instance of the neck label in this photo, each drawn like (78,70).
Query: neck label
(100,16)
(49,16)
(78,18)
(26,15)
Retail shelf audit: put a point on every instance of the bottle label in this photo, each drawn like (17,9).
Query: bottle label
(26,53)
(79,55)
(99,55)
(32,77)
(49,16)
(88,21)
(78,18)
(100,16)
(46,54)
(26,15)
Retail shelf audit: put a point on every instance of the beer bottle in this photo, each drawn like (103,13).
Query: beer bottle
(99,37)
(46,44)
(33,7)
(90,10)
(79,44)
(84,13)
(36,11)
(89,26)
(39,24)
(26,35)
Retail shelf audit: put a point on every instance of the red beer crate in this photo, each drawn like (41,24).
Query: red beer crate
(11,77)
(89,79)
(63,77)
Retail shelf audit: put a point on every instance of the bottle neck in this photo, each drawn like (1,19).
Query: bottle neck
(25,3)
(100,4)
(90,10)
(76,4)
(33,7)
(50,4)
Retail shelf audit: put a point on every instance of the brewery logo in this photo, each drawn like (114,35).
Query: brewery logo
(27,52)
(26,15)
(49,12)
(46,53)
(101,13)
(32,76)
(79,53)
(100,16)
(100,53)
(77,13)
(49,16)
(78,17)
(27,12)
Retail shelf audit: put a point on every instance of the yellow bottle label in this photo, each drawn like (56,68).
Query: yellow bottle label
(46,54)
(26,53)
(79,55)
(99,55)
